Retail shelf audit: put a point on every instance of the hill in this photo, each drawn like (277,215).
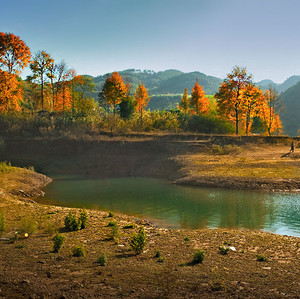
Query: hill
(290,115)
(164,82)
(282,87)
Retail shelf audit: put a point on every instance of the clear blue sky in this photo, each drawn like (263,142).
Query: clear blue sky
(211,36)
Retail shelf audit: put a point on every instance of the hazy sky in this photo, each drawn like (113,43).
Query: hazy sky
(211,36)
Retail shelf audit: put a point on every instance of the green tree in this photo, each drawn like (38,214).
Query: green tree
(127,107)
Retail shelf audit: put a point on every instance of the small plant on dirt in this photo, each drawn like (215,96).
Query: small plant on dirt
(261,258)
(31,168)
(198,256)
(20,246)
(83,219)
(223,249)
(78,251)
(102,260)
(72,223)
(6,167)
(161,259)
(111,214)
(58,242)
(158,253)
(138,241)
(2,222)
(115,234)
(129,226)
(219,279)
(112,223)
(28,226)
(186,239)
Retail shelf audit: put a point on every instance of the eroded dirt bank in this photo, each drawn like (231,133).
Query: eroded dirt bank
(224,162)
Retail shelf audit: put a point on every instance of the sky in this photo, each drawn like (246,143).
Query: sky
(96,37)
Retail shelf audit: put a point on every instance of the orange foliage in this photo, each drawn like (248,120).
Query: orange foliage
(198,99)
(114,89)
(184,104)
(10,92)
(14,53)
(142,98)
(63,99)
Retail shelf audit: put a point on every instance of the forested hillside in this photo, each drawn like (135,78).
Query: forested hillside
(289,82)
(165,82)
(290,115)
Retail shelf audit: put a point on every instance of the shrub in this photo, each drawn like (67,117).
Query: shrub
(261,258)
(2,222)
(83,218)
(28,226)
(78,251)
(198,256)
(158,254)
(73,223)
(115,232)
(138,241)
(112,223)
(223,249)
(129,226)
(58,242)
(111,214)
(186,239)
(102,260)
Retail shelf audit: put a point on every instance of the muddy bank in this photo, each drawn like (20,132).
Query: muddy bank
(241,183)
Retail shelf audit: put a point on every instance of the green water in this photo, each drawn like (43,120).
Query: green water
(173,206)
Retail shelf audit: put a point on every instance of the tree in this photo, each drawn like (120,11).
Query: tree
(14,53)
(42,61)
(184,104)
(230,100)
(114,90)
(270,111)
(10,92)
(142,98)
(127,107)
(198,99)
(253,103)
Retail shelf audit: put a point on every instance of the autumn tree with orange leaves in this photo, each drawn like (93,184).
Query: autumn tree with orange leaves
(198,100)
(14,53)
(253,104)
(114,90)
(184,104)
(142,99)
(230,97)
(270,111)
(14,56)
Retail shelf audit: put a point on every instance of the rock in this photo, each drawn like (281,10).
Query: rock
(25,281)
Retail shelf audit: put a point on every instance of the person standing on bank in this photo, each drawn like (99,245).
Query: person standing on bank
(292,147)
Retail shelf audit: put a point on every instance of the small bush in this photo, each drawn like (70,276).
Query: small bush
(58,242)
(2,222)
(112,223)
(261,258)
(83,218)
(78,251)
(138,241)
(111,214)
(115,233)
(129,226)
(102,260)
(198,256)
(73,223)
(158,253)
(161,259)
(223,249)
(28,226)
(186,239)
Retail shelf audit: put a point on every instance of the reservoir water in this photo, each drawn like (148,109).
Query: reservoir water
(172,206)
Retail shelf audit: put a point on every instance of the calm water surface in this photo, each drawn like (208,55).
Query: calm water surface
(180,207)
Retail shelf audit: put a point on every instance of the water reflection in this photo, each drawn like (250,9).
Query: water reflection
(177,206)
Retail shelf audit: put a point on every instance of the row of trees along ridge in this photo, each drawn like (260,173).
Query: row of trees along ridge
(54,88)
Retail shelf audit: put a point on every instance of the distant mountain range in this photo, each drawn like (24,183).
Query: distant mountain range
(166,88)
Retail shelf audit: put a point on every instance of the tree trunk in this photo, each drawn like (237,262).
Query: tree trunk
(236,121)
